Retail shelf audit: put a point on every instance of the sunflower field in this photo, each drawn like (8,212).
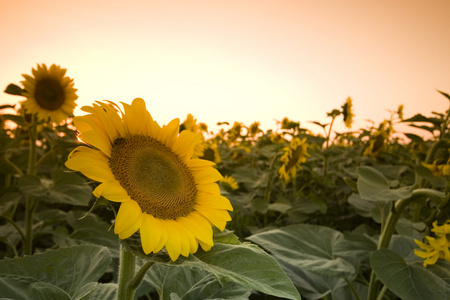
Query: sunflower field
(112,205)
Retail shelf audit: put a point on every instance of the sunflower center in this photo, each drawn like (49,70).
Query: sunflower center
(49,94)
(154,176)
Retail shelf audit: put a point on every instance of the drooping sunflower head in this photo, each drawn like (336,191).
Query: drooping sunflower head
(348,112)
(253,130)
(49,93)
(294,155)
(170,197)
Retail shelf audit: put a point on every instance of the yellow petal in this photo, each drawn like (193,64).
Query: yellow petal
(211,188)
(213,201)
(199,226)
(185,143)
(94,139)
(92,163)
(198,163)
(150,234)
(112,190)
(210,175)
(218,217)
(169,133)
(174,240)
(205,247)
(136,117)
(128,220)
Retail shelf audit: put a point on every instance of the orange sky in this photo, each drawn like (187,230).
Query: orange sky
(238,60)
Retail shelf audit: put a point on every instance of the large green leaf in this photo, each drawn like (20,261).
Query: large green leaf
(66,273)
(410,280)
(308,247)
(373,186)
(191,283)
(246,265)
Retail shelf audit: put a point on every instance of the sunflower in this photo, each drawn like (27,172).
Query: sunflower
(437,248)
(294,155)
(348,113)
(229,182)
(49,93)
(171,198)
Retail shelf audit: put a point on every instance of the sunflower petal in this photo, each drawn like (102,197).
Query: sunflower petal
(218,217)
(185,143)
(213,201)
(150,235)
(128,220)
(169,133)
(210,175)
(112,190)
(199,226)
(211,188)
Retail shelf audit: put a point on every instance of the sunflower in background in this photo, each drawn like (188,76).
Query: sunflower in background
(438,247)
(294,155)
(171,198)
(50,94)
(347,112)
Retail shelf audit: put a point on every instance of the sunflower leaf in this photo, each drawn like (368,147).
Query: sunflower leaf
(13,89)
(66,273)
(373,186)
(410,280)
(246,265)
(178,282)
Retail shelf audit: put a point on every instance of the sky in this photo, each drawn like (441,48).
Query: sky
(238,60)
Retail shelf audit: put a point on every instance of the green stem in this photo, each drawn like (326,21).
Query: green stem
(30,205)
(383,291)
(136,281)
(385,239)
(16,168)
(352,288)
(127,269)
(14,224)
(329,131)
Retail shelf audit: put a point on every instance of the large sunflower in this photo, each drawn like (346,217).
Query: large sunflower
(49,93)
(171,198)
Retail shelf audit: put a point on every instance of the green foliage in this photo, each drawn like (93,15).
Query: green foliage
(66,273)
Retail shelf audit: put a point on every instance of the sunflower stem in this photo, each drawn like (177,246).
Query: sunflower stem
(30,205)
(127,270)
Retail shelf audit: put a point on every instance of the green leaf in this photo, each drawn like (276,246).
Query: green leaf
(308,247)
(191,283)
(106,291)
(246,265)
(66,273)
(373,186)
(411,280)
(13,89)
(69,188)
(414,137)
(89,230)
(31,186)
(445,95)
(362,208)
